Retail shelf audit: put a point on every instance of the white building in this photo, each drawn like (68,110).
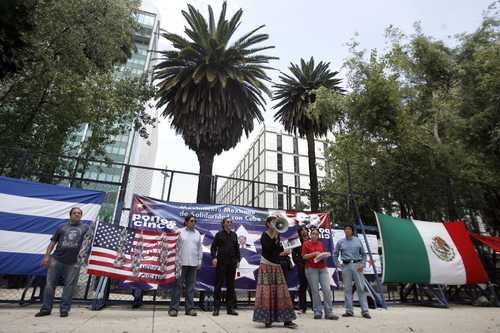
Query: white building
(279,161)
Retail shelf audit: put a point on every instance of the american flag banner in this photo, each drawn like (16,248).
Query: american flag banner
(133,255)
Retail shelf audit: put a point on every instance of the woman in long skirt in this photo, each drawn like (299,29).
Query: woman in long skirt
(272,299)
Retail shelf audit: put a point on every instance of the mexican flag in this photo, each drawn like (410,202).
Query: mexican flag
(428,252)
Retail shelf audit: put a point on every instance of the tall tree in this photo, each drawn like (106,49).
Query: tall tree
(16,20)
(294,96)
(421,129)
(72,50)
(212,89)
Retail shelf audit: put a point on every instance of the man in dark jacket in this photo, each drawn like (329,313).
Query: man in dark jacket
(226,257)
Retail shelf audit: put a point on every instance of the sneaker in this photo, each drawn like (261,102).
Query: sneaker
(191,313)
(332,317)
(290,324)
(42,313)
(348,314)
(366,315)
(317,316)
(63,314)
(172,313)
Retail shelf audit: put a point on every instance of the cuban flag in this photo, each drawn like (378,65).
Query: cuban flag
(30,214)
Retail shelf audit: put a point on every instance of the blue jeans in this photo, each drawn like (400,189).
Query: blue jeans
(348,273)
(316,277)
(188,275)
(70,273)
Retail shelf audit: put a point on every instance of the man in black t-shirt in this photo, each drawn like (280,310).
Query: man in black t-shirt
(63,262)
(225,251)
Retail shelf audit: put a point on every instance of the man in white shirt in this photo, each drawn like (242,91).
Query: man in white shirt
(188,262)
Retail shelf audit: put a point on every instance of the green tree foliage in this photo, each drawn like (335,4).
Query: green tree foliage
(421,128)
(295,96)
(67,79)
(16,20)
(212,88)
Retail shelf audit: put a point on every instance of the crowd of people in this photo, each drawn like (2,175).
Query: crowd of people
(273,301)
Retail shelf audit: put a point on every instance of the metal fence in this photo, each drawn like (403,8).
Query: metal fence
(163,184)
(121,180)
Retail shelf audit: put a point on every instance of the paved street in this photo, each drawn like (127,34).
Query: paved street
(123,319)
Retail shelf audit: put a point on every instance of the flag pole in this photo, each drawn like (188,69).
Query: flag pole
(361,224)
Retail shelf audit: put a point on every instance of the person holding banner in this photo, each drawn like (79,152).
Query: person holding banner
(63,262)
(225,251)
(189,254)
(272,299)
(353,259)
(313,252)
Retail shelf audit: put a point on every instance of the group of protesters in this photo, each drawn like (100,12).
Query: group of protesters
(273,302)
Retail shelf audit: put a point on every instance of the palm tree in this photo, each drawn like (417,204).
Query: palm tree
(294,95)
(213,89)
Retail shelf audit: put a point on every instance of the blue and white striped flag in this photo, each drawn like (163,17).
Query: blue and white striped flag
(30,214)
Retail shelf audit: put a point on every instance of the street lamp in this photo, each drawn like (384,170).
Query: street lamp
(166,174)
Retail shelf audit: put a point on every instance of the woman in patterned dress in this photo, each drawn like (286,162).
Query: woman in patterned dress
(272,299)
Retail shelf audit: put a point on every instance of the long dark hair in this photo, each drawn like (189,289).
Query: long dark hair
(299,231)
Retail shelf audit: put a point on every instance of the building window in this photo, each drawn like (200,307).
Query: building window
(296,164)
(279,143)
(280,201)
(280,162)
(280,182)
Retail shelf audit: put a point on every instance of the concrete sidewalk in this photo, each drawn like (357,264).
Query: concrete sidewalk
(122,319)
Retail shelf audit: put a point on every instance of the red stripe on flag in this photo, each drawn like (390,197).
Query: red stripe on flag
(129,278)
(129,269)
(152,241)
(474,269)
(156,233)
(113,256)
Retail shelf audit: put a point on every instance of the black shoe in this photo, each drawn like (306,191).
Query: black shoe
(63,314)
(317,316)
(268,325)
(42,313)
(215,313)
(290,324)
(191,313)
(232,312)
(347,314)
(172,313)
(366,315)
(332,317)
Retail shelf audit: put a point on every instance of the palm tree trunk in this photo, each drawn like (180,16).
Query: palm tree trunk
(313,174)
(206,161)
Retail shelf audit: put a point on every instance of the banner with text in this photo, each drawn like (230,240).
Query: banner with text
(249,224)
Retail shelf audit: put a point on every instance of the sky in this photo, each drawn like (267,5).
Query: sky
(301,29)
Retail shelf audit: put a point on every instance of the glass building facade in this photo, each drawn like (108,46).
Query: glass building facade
(128,147)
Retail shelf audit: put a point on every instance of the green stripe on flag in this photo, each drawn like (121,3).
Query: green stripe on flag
(405,256)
